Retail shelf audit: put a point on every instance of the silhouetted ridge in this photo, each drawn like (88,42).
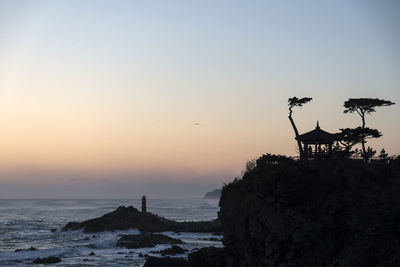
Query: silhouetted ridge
(325,213)
(215,194)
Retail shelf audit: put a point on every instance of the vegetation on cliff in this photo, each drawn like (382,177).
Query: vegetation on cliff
(347,137)
(364,106)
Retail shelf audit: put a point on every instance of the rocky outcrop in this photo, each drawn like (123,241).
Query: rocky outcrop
(205,257)
(129,217)
(146,240)
(170,251)
(215,194)
(47,260)
(327,213)
(25,249)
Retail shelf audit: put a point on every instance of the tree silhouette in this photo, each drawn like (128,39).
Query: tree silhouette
(364,106)
(383,155)
(349,137)
(297,102)
(369,153)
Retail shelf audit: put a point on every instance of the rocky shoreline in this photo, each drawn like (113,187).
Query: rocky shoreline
(205,257)
(284,213)
(150,226)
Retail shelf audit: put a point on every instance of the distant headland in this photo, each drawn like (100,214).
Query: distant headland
(215,194)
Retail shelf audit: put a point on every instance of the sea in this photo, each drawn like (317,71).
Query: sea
(37,223)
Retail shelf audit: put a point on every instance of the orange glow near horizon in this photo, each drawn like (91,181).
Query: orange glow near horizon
(128,90)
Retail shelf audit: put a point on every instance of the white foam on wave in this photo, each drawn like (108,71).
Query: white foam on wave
(72,232)
(109,239)
(105,249)
(195,237)
(84,244)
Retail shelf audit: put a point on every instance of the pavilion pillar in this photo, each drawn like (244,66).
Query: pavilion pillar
(316,151)
(305,149)
(319,151)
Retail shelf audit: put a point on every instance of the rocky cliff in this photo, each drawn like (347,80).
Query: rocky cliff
(328,213)
(215,194)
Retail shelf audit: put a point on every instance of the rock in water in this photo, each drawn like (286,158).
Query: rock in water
(208,256)
(146,240)
(171,251)
(205,257)
(47,260)
(128,218)
(25,249)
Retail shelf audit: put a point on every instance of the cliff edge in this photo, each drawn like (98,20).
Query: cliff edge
(325,213)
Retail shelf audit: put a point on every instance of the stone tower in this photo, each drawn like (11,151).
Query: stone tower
(143,204)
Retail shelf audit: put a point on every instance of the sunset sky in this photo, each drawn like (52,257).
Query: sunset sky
(171,98)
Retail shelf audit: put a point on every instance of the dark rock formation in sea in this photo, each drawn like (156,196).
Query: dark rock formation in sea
(205,257)
(47,260)
(129,217)
(215,194)
(146,240)
(25,249)
(170,251)
(325,213)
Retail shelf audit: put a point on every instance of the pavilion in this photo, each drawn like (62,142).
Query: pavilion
(317,144)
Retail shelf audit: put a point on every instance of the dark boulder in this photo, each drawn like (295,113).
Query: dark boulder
(129,217)
(207,257)
(146,240)
(25,249)
(47,260)
(171,251)
(166,262)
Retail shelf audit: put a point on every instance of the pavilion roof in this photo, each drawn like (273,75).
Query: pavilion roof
(317,136)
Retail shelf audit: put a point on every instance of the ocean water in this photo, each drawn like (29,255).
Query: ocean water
(38,223)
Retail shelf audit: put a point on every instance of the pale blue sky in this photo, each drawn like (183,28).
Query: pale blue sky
(116,87)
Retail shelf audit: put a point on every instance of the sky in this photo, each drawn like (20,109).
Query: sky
(115,99)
